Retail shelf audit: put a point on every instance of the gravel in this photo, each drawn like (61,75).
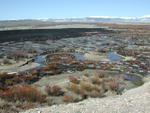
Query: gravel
(136,100)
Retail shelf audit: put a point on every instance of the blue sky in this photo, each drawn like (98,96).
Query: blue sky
(32,9)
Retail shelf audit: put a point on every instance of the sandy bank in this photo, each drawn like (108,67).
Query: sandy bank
(136,100)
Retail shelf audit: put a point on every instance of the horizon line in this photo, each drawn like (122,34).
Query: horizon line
(113,17)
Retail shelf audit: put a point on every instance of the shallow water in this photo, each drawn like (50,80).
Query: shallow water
(132,46)
(128,77)
(79,56)
(40,59)
(112,56)
(131,77)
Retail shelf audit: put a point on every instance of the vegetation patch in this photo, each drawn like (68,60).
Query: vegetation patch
(23,93)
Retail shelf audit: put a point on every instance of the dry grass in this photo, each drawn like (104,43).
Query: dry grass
(96,88)
(77,89)
(101,74)
(93,86)
(68,98)
(71,97)
(95,79)
(54,90)
(34,72)
(86,74)
(95,94)
(23,93)
(113,85)
(74,87)
(74,79)
(86,85)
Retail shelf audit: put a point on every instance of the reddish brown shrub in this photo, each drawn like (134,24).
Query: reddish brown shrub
(2,88)
(34,72)
(86,74)
(95,79)
(74,87)
(17,79)
(68,98)
(54,90)
(101,74)
(5,76)
(96,88)
(73,79)
(52,66)
(86,86)
(113,85)
(58,71)
(23,93)
(45,68)
(8,79)
(95,94)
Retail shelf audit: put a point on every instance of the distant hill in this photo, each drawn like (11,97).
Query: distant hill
(67,22)
(145,18)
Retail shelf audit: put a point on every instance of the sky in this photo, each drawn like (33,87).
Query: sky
(36,9)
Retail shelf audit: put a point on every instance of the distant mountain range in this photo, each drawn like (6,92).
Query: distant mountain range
(145,18)
(67,22)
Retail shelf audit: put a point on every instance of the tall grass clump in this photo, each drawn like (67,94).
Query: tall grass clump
(54,90)
(23,93)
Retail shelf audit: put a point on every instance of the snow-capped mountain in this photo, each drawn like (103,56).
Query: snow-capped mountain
(145,18)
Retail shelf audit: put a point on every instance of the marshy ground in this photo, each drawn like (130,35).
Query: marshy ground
(70,65)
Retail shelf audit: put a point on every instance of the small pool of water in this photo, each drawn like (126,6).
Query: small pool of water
(79,56)
(132,46)
(40,59)
(131,77)
(112,56)
(128,77)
